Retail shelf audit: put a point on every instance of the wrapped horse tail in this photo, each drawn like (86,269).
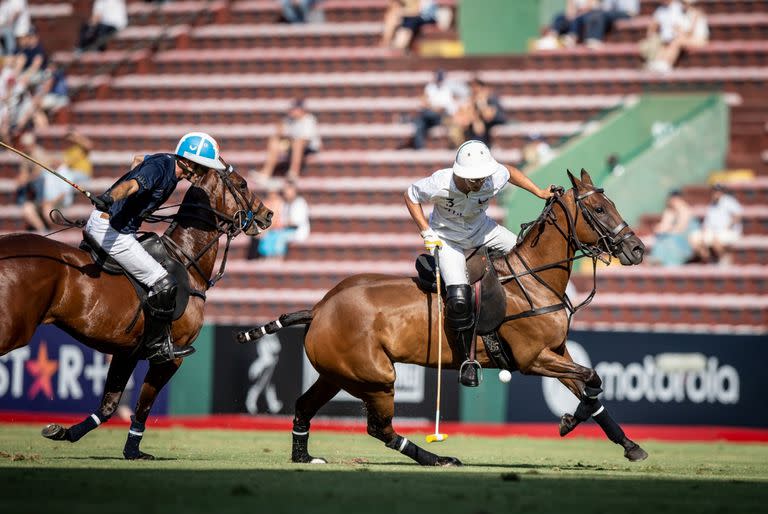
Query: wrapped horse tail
(286,320)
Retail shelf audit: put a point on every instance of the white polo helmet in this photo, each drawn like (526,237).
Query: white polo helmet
(200,148)
(474,160)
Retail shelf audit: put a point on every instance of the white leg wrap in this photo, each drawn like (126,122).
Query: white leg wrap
(95,418)
(247,336)
(137,434)
(300,433)
(403,445)
(278,324)
(598,411)
(264,330)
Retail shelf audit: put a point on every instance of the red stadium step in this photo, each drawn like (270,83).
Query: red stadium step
(715,6)
(335,137)
(622,55)
(266,11)
(722,27)
(326,164)
(696,279)
(755,219)
(328,110)
(750,80)
(718,309)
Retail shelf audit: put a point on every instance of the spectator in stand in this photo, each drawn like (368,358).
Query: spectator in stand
(292,213)
(677,223)
(721,227)
(15,21)
(270,244)
(107,18)
(31,58)
(536,151)
(567,27)
(478,115)
(76,158)
(30,182)
(297,136)
(440,102)
(661,32)
(403,21)
(297,11)
(33,82)
(600,21)
(692,31)
(614,165)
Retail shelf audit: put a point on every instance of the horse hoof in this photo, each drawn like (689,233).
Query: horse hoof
(634,453)
(138,456)
(54,432)
(567,424)
(448,462)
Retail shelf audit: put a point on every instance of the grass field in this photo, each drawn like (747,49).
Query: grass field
(238,471)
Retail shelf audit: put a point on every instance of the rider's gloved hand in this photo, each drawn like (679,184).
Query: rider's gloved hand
(431,241)
(102,202)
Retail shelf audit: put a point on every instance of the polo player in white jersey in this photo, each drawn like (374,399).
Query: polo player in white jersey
(461,195)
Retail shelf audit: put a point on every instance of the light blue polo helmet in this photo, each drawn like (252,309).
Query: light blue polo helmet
(200,148)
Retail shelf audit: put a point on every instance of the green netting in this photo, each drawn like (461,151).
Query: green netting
(663,141)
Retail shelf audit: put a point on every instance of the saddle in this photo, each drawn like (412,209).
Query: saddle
(487,294)
(155,247)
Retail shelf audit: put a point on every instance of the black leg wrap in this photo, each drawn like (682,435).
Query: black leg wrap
(135,433)
(76,432)
(610,427)
(592,392)
(300,451)
(586,408)
(409,449)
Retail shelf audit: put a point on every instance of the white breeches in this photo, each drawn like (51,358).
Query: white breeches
(125,250)
(453,265)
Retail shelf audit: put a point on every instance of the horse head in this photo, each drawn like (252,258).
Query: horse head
(600,223)
(225,193)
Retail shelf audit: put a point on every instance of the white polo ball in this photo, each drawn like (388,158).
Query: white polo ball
(505,376)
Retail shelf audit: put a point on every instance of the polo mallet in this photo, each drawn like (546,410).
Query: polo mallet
(46,168)
(437,437)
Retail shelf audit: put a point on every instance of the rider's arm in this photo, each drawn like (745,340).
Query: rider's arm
(417,213)
(124,190)
(518,178)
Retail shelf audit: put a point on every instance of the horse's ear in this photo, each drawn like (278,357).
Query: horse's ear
(586,178)
(573,179)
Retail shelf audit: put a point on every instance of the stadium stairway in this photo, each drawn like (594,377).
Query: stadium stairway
(230,68)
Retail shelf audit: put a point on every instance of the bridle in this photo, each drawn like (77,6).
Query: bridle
(608,238)
(224,224)
(608,241)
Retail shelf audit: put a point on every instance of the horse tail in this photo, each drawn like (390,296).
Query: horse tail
(286,320)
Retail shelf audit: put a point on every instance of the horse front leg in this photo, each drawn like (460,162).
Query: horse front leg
(157,377)
(120,369)
(573,375)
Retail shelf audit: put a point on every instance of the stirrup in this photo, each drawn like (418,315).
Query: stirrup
(470,373)
(166,351)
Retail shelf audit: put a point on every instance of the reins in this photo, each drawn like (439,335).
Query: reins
(607,237)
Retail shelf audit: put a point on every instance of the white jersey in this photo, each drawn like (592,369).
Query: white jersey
(457,216)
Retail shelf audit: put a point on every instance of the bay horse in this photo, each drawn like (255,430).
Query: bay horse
(47,281)
(368,322)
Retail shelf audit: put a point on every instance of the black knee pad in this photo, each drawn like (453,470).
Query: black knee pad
(162,296)
(459,307)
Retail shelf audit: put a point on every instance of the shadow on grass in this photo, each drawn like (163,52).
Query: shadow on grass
(320,490)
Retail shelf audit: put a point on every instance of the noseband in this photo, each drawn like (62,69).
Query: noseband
(607,237)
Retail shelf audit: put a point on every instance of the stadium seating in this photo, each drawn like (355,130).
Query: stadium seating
(230,68)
